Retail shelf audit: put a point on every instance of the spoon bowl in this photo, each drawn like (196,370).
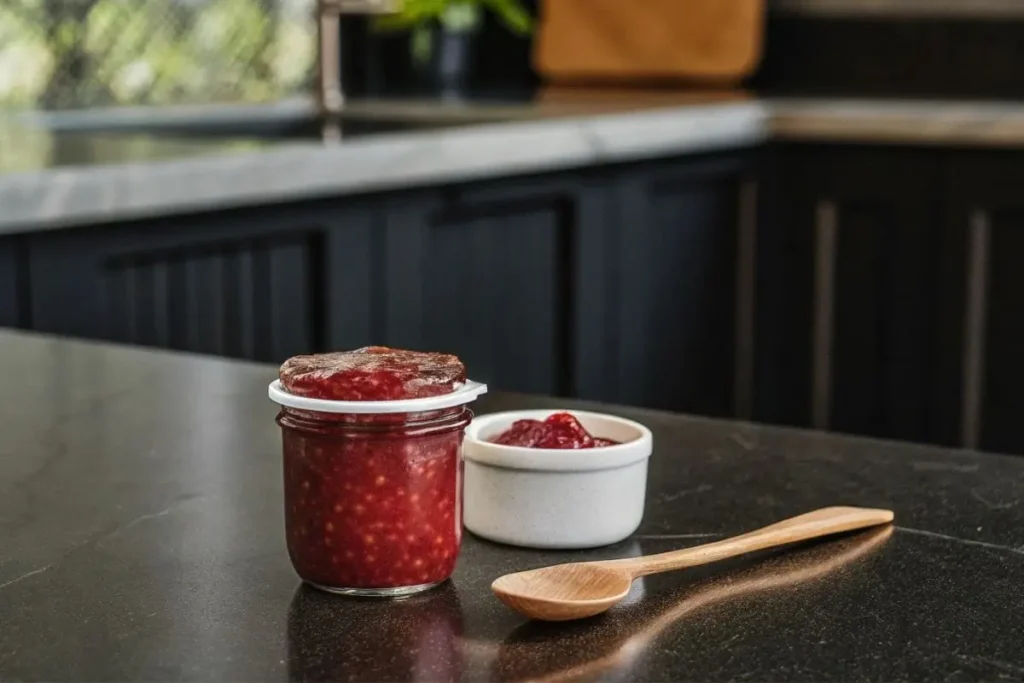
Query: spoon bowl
(565,591)
(583,589)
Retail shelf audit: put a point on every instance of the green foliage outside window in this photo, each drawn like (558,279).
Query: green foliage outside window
(60,54)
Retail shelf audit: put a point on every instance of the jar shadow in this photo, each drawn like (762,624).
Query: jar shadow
(411,639)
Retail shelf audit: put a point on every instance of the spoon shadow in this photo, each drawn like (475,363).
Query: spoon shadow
(614,642)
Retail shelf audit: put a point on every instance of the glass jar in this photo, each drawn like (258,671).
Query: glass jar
(373,501)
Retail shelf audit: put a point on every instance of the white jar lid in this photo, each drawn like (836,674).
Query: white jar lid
(467,393)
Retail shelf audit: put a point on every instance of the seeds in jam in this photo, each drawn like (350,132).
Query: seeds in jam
(559,430)
(373,500)
(346,529)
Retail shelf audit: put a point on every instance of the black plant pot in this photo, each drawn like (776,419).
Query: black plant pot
(451,60)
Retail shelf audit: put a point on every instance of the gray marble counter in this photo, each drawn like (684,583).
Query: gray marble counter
(28,149)
(529,139)
(64,171)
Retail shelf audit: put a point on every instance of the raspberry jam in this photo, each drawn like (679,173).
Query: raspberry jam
(560,430)
(373,500)
(373,373)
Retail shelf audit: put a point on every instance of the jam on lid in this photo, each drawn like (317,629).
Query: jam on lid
(559,431)
(374,379)
(372,373)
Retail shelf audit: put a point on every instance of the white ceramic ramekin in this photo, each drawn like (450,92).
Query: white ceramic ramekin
(548,498)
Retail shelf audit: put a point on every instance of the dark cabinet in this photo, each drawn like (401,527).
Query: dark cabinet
(11,286)
(486,275)
(870,290)
(672,272)
(482,272)
(617,283)
(984,305)
(876,246)
(855,270)
(241,284)
(890,294)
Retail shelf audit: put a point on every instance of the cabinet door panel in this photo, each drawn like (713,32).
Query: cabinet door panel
(486,280)
(11,284)
(594,288)
(984,298)
(675,263)
(850,276)
(238,283)
(1002,424)
(882,317)
(785,287)
(353,277)
(494,285)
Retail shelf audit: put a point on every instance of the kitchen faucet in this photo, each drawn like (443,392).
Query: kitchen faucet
(330,95)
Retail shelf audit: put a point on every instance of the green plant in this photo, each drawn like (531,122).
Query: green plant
(417,16)
(457,14)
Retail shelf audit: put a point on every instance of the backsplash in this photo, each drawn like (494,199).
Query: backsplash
(71,54)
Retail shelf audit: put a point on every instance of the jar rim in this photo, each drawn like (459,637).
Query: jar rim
(467,393)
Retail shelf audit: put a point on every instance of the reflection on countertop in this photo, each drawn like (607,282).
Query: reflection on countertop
(427,638)
(549,653)
(27,148)
(422,634)
(36,141)
(551,102)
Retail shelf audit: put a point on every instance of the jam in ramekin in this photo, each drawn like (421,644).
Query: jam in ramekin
(559,430)
(373,500)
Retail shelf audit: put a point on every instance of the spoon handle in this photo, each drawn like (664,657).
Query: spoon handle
(823,522)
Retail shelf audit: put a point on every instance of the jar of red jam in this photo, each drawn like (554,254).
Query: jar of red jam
(372,467)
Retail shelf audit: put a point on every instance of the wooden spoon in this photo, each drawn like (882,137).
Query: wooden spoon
(583,589)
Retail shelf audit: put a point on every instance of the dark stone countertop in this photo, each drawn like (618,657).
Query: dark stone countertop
(140,507)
